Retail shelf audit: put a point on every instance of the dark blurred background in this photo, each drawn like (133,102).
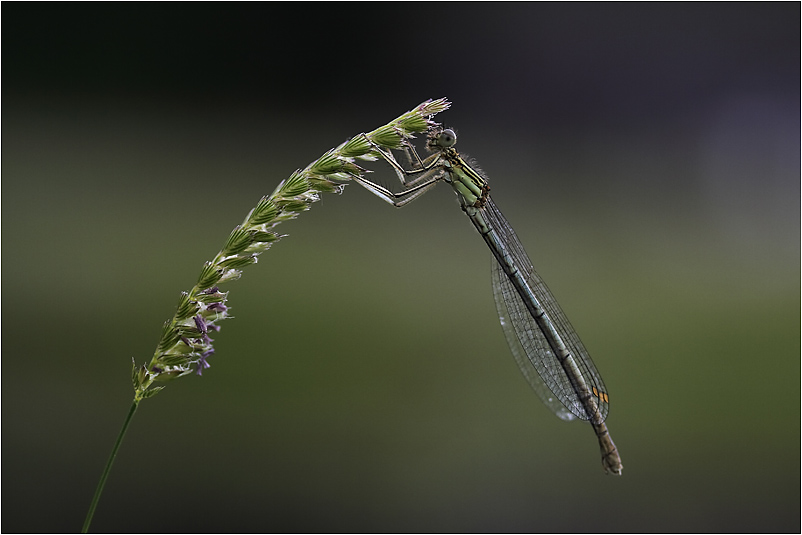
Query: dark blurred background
(648,156)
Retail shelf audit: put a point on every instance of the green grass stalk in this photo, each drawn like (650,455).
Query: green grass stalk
(185,345)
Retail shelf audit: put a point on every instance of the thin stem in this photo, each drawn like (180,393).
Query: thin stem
(106,470)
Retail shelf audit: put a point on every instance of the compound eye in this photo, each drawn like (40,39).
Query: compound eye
(447,138)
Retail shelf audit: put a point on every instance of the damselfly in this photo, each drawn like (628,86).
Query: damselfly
(545,346)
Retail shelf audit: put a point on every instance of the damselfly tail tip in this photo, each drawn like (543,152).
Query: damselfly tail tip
(612,466)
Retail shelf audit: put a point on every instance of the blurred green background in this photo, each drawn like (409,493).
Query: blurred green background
(648,156)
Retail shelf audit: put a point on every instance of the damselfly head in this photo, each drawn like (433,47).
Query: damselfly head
(441,139)
(447,138)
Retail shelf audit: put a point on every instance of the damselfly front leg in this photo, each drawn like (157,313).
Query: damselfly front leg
(429,174)
(431,162)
